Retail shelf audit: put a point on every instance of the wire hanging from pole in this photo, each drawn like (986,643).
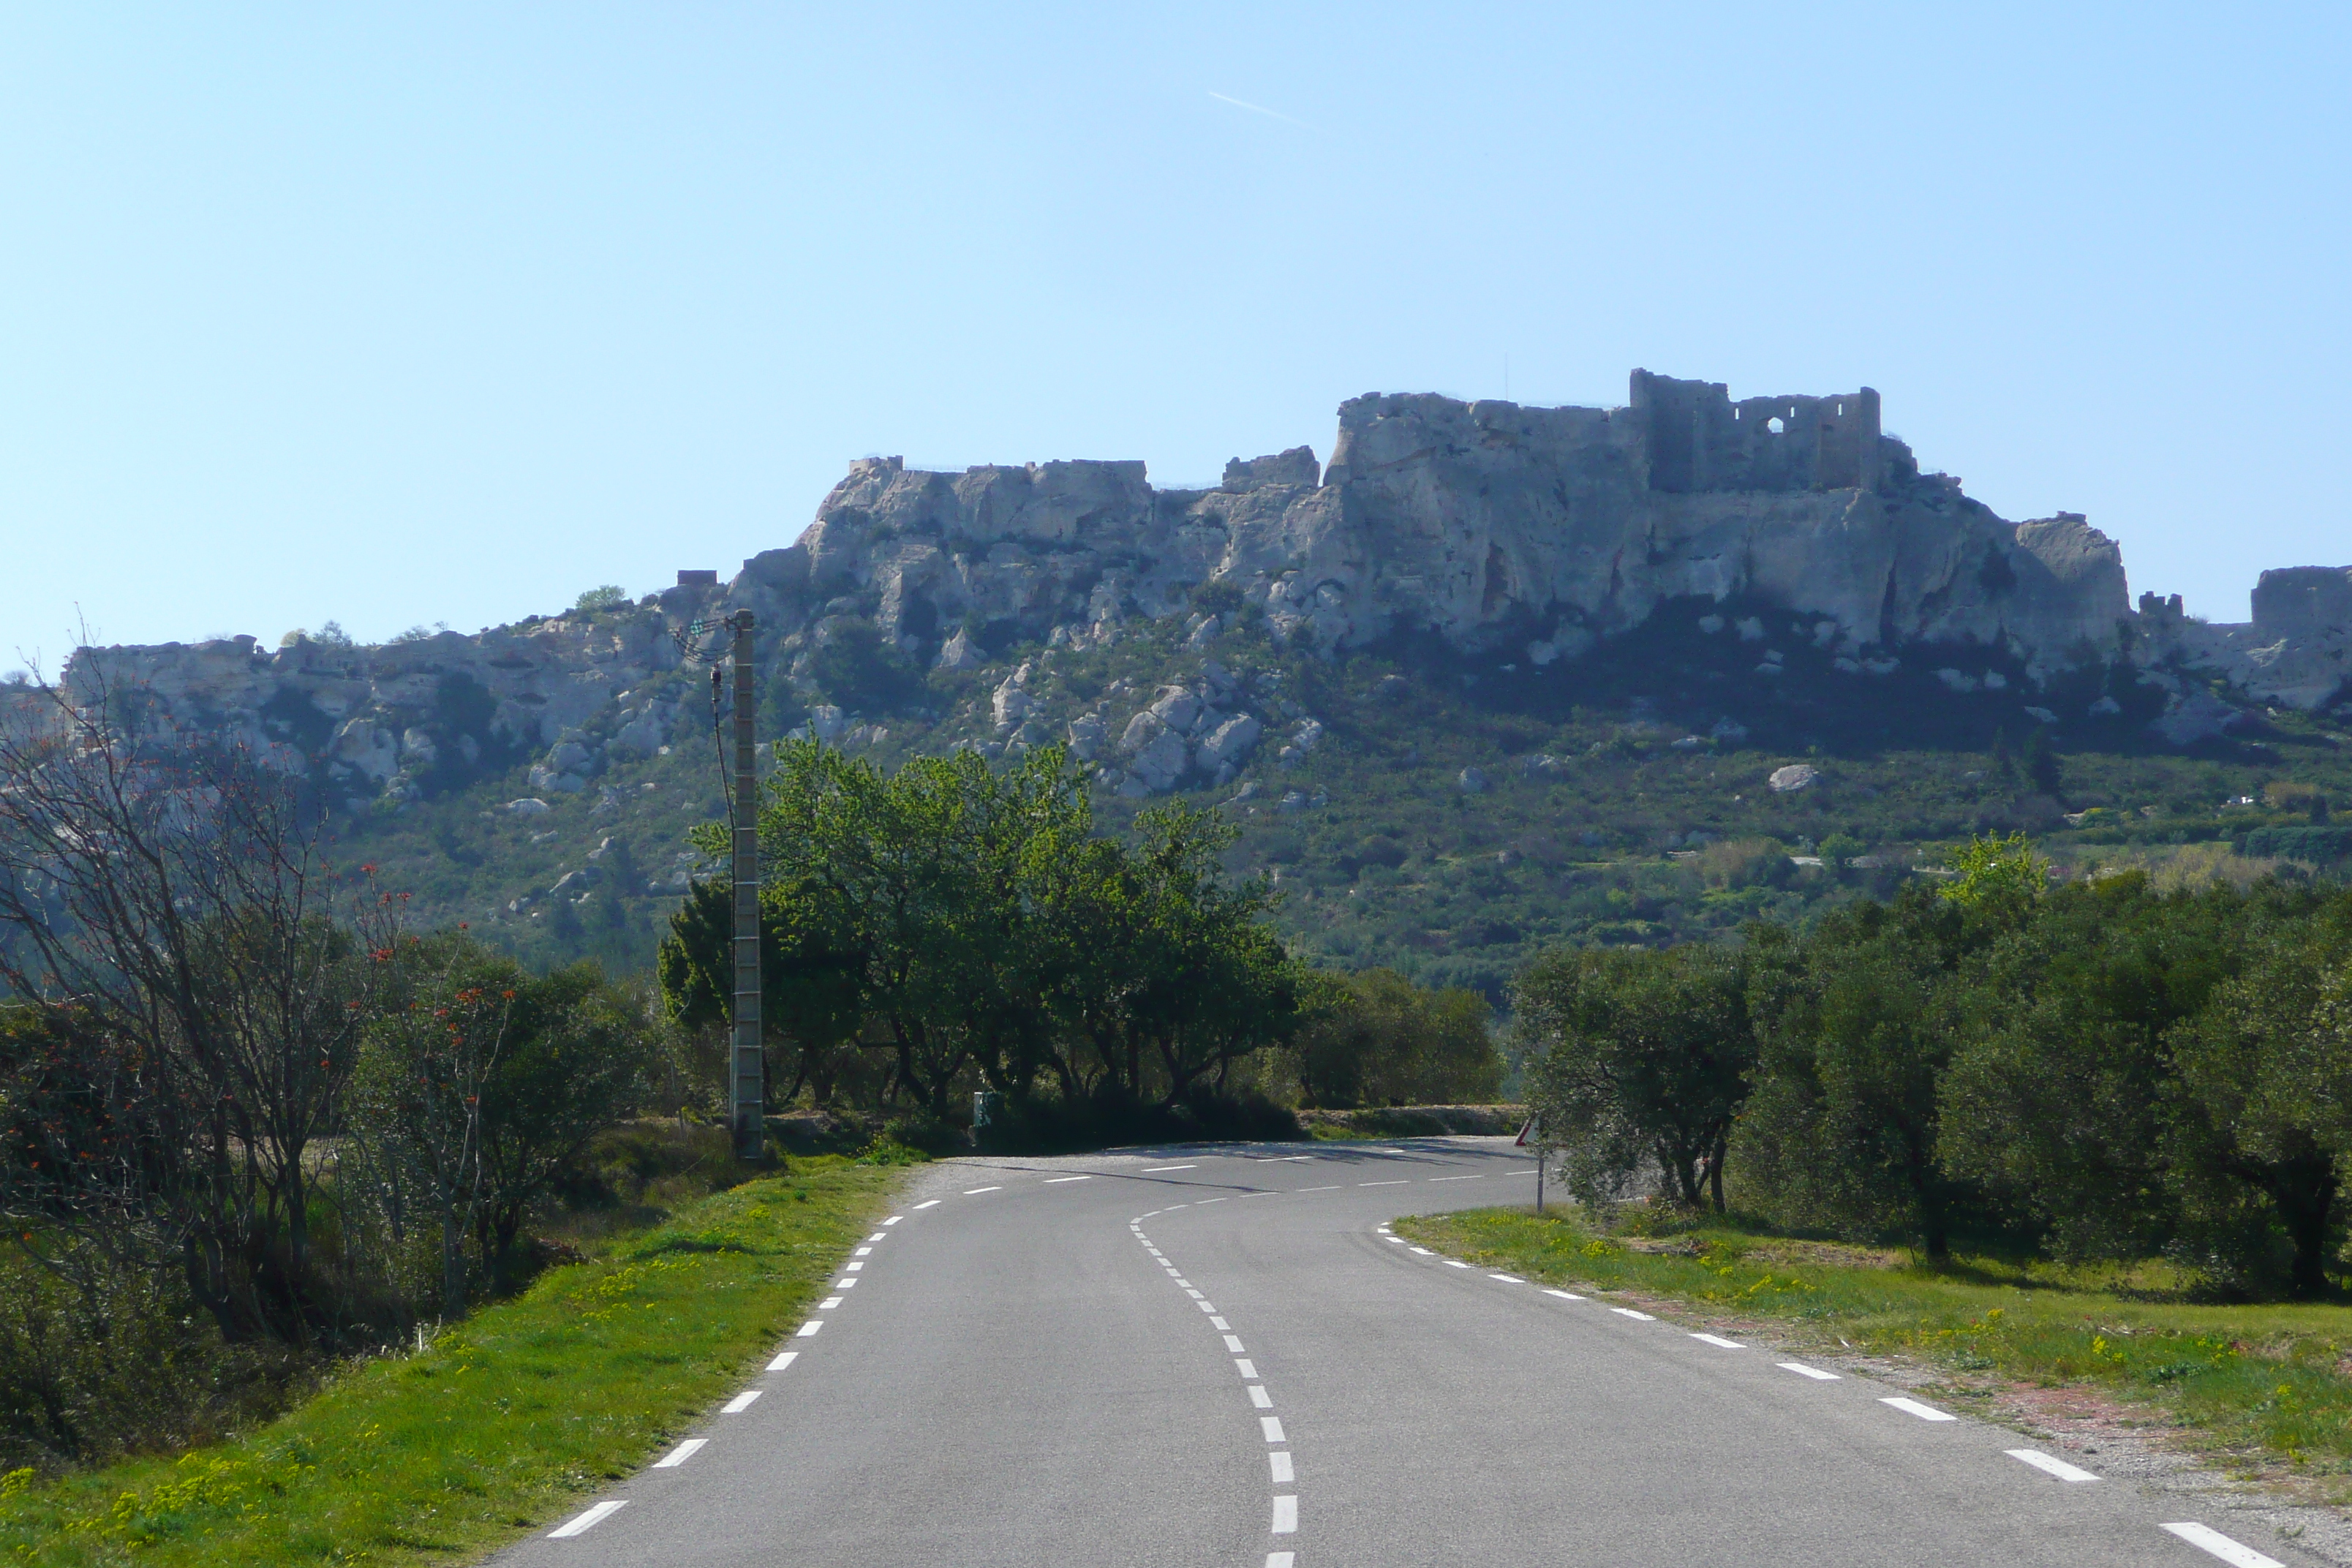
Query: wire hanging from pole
(701,627)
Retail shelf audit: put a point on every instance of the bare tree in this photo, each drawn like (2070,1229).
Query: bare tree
(163,892)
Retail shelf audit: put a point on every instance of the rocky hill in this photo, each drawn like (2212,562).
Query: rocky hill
(1479,613)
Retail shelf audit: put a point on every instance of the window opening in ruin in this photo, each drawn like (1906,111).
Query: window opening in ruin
(1774,424)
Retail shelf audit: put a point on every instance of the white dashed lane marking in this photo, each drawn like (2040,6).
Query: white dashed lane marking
(680,1454)
(1155,1170)
(740,1403)
(1260,1398)
(1629,1312)
(928,1203)
(1271,1426)
(809,1329)
(1400,1182)
(1801,1370)
(1246,1367)
(1282,1472)
(1057,1181)
(581,1523)
(1563,1295)
(783,1360)
(1285,1515)
(2059,1467)
(1912,1407)
(1719,1343)
(975,1192)
(2221,1546)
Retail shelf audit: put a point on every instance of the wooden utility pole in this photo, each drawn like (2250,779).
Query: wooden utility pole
(750,1063)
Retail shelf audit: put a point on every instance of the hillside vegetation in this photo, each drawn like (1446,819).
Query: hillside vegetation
(1457,816)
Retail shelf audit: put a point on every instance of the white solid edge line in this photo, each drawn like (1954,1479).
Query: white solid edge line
(928,1203)
(809,1329)
(2221,1546)
(783,1360)
(1629,1312)
(1260,1398)
(1801,1370)
(1912,1407)
(1719,1341)
(2056,1467)
(740,1403)
(1271,1426)
(1286,1516)
(975,1192)
(1280,1461)
(580,1524)
(1057,1181)
(680,1454)
(1563,1295)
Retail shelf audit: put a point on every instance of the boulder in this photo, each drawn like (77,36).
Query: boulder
(1230,743)
(1794,777)
(957,652)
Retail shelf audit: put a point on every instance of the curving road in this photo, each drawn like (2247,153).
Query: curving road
(1220,1356)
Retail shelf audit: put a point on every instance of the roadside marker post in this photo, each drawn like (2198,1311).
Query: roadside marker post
(1531,1135)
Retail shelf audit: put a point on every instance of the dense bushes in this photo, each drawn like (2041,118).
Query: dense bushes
(2103,1067)
(246,1118)
(1376,1038)
(967,929)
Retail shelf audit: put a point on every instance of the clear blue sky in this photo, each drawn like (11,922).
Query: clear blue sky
(446,313)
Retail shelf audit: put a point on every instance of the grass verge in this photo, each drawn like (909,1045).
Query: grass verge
(497,1425)
(2259,1380)
(1412,1121)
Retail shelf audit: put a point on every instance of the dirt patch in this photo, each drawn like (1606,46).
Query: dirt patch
(1830,1254)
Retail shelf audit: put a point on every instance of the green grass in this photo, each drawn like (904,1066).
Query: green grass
(2266,1382)
(509,1420)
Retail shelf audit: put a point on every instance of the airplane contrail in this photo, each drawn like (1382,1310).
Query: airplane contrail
(1257,109)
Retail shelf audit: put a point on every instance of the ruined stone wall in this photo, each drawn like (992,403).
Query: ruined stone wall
(1698,439)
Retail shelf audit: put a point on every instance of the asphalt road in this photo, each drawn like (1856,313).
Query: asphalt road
(1219,1356)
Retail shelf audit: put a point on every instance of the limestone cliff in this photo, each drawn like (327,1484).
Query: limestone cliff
(1526,534)
(1489,524)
